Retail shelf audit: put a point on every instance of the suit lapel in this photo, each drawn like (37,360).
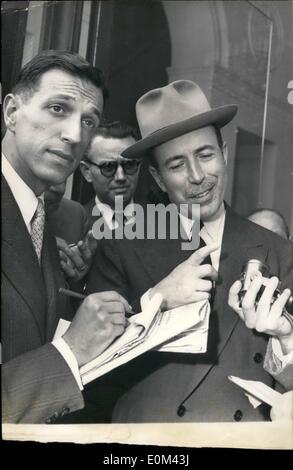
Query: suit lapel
(237,248)
(235,251)
(160,256)
(48,274)
(19,262)
(92,218)
(58,305)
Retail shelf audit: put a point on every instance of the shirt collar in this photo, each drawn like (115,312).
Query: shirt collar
(108,213)
(25,198)
(214,228)
(129,210)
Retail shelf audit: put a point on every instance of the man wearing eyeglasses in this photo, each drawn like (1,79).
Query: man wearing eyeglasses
(114,178)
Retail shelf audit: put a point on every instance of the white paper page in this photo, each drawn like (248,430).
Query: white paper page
(135,332)
(257,389)
(192,341)
(167,326)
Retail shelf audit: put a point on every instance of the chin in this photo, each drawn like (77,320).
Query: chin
(55,177)
(209,212)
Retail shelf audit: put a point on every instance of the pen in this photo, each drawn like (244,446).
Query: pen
(76,295)
(71,293)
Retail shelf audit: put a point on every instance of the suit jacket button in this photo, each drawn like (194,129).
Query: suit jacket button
(258,358)
(52,418)
(238,415)
(181,411)
(65,411)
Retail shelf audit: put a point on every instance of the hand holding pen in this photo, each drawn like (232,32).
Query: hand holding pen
(99,320)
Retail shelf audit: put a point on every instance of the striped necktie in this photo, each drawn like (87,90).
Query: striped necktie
(37,228)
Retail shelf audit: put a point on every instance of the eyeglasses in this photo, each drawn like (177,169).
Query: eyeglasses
(109,169)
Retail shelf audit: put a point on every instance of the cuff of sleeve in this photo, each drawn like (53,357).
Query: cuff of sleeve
(284,359)
(145,298)
(69,358)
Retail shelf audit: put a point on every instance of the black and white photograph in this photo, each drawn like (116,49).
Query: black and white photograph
(147,225)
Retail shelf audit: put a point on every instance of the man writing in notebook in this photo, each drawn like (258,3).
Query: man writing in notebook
(50,117)
(181,137)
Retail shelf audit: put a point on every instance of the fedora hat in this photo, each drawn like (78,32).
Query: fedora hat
(171,111)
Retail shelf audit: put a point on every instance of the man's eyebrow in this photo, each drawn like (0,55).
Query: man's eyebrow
(173,158)
(65,97)
(97,112)
(196,151)
(105,160)
(204,147)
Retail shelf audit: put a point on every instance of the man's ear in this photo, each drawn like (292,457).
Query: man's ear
(225,152)
(11,104)
(86,172)
(157,177)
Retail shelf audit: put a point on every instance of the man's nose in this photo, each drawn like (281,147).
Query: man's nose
(120,175)
(195,172)
(71,130)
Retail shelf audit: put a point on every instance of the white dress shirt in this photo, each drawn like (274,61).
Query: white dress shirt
(25,198)
(211,232)
(27,202)
(108,213)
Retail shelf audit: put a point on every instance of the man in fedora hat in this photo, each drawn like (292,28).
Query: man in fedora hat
(182,139)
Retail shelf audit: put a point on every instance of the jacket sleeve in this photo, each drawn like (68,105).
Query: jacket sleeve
(283,253)
(38,387)
(107,273)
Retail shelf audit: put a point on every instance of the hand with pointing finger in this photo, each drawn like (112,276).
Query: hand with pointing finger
(189,282)
(265,316)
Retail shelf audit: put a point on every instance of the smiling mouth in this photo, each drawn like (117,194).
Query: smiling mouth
(202,194)
(63,155)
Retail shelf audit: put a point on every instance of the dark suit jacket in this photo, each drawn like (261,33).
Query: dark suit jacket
(69,221)
(88,207)
(37,384)
(171,387)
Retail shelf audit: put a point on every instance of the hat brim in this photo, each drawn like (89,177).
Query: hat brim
(218,116)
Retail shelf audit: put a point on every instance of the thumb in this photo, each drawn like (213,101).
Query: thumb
(233,299)
(91,241)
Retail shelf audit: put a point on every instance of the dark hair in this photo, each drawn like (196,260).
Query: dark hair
(29,77)
(274,212)
(152,159)
(117,130)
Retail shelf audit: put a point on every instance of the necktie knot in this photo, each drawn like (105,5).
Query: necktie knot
(37,228)
(119,220)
